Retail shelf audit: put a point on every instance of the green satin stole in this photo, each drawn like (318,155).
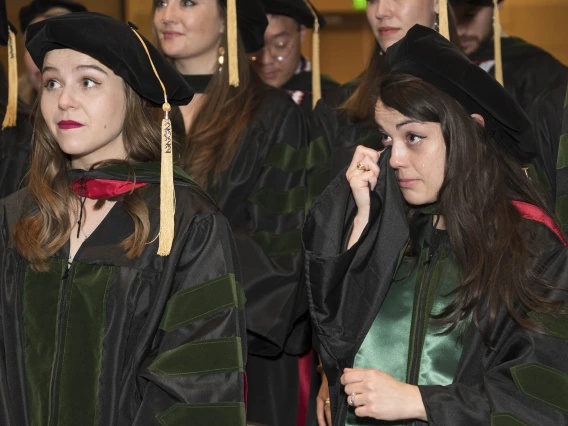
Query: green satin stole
(388,342)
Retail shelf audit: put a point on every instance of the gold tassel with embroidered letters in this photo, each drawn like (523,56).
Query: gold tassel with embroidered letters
(167,191)
(10,118)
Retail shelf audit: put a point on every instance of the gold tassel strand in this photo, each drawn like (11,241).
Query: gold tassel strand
(443,17)
(497,42)
(167,194)
(316,72)
(232,43)
(12,109)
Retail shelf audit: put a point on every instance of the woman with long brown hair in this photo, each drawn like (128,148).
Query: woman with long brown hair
(437,277)
(120,296)
(247,146)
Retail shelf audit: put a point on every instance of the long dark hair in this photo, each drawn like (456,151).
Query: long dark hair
(490,239)
(359,106)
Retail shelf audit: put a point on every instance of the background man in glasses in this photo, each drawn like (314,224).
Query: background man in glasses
(281,63)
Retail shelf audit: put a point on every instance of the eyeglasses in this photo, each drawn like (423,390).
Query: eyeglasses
(278,50)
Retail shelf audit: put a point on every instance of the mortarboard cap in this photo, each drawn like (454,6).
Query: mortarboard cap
(38,7)
(8,38)
(120,47)
(427,55)
(295,9)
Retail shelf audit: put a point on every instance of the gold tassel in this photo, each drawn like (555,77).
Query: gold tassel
(497,42)
(316,73)
(167,191)
(232,43)
(443,18)
(167,200)
(12,109)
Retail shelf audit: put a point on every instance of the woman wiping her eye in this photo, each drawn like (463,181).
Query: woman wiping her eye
(436,274)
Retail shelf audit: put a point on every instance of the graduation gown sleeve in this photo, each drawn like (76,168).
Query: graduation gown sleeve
(263,195)
(524,381)
(195,371)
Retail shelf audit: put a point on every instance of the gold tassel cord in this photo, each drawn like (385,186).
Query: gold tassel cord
(316,72)
(167,193)
(497,42)
(232,43)
(10,118)
(444,22)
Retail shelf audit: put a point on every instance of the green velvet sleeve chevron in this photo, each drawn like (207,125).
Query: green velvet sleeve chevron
(195,374)
(562,173)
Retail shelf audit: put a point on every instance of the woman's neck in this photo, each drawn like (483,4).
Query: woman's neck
(439,222)
(201,65)
(189,111)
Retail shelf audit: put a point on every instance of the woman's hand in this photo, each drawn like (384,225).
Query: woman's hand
(377,395)
(363,172)
(322,403)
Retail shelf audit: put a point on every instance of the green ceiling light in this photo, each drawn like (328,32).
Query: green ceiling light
(359,4)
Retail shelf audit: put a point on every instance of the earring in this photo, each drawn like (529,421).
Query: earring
(437,23)
(221,59)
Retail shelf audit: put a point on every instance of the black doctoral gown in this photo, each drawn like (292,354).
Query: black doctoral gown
(546,116)
(119,342)
(263,194)
(523,381)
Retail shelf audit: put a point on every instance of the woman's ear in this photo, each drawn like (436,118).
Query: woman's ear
(436,6)
(479,119)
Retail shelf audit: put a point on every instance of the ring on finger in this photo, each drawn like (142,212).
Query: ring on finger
(360,166)
(327,401)
(351,399)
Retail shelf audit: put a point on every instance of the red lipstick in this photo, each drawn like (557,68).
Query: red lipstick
(387,31)
(69,124)
(168,35)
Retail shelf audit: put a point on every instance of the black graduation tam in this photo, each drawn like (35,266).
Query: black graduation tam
(39,7)
(252,22)
(114,44)
(427,55)
(295,9)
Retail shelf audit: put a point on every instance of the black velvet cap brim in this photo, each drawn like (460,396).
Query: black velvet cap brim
(295,9)
(252,22)
(39,7)
(427,55)
(114,44)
